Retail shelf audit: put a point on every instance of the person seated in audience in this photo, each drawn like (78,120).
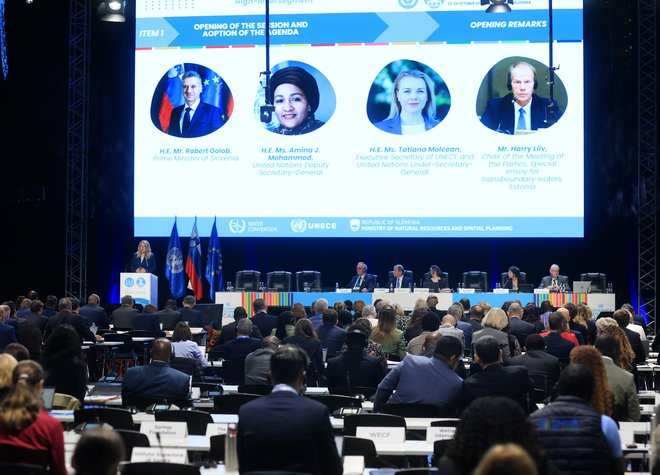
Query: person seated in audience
(228,332)
(64,362)
(7,365)
(157,379)
(584,317)
(94,313)
(331,336)
(35,317)
(637,319)
(506,459)
(66,315)
(358,306)
(486,422)
(532,315)
(622,383)
(50,306)
(124,316)
(494,322)
(338,305)
(354,367)
(372,348)
(18,351)
(285,325)
(147,321)
(387,334)
(28,434)
(542,367)
(183,344)
(369,313)
(239,347)
(422,380)
(546,309)
(465,303)
(344,319)
(24,308)
(609,326)
(475,316)
(457,311)
(602,397)
(494,379)
(7,333)
(189,314)
(448,328)
(430,324)
(569,309)
(517,327)
(168,316)
(284,431)
(257,363)
(306,338)
(574,434)
(623,318)
(571,335)
(318,308)
(556,343)
(261,319)
(633,326)
(98,452)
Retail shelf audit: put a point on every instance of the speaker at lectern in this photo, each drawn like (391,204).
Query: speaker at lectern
(142,286)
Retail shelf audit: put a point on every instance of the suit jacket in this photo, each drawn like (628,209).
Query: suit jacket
(265,322)
(169,318)
(475,324)
(466,328)
(558,346)
(156,380)
(368,282)
(236,349)
(7,336)
(539,363)
(124,317)
(206,119)
(622,384)
(192,316)
(76,321)
(405,282)
(561,279)
(366,371)
(393,125)
(288,433)
(312,346)
(37,320)
(636,343)
(257,366)
(228,333)
(498,380)
(95,315)
(520,329)
(332,337)
(149,323)
(441,284)
(148,265)
(500,114)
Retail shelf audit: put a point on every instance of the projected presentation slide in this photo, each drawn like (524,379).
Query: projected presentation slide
(389,118)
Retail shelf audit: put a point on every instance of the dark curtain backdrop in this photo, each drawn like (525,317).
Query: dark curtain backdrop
(33,128)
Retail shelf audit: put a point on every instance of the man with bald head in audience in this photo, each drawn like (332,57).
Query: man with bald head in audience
(517,327)
(257,363)
(157,379)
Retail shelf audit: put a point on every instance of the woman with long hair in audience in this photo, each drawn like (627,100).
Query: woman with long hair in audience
(358,305)
(585,317)
(532,314)
(626,353)
(28,434)
(183,344)
(298,312)
(602,397)
(285,325)
(387,334)
(401,318)
(64,362)
(7,365)
(372,348)
(306,338)
(486,422)
(414,327)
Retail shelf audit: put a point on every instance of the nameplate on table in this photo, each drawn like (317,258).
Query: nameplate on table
(196,392)
(421,290)
(381,290)
(346,291)
(500,291)
(353,464)
(156,454)
(382,437)
(171,433)
(216,429)
(403,290)
(465,291)
(541,291)
(439,433)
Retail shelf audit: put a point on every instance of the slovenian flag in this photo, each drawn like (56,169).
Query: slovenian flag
(172,97)
(194,263)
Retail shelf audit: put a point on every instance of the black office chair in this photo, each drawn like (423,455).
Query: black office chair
(159,468)
(132,438)
(504,277)
(355,391)
(352,422)
(233,372)
(231,403)
(411,410)
(190,366)
(310,277)
(260,389)
(279,280)
(364,447)
(247,280)
(196,420)
(22,469)
(598,281)
(117,418)
(475,279)
(334,401)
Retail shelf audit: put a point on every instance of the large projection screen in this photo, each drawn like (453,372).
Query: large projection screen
(393,118)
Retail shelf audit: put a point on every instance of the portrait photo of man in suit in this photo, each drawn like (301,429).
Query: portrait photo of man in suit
(194,118)
(521,111)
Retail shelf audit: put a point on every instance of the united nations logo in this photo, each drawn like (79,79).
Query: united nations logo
(237,226)
(355,225)
(434,3)
(298,225)
(129,282)
(407,3)
(175,260)
(141,282)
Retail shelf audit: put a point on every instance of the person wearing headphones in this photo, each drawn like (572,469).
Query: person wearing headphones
(521,111)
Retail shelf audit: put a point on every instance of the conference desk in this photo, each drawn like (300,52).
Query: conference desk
(231,300)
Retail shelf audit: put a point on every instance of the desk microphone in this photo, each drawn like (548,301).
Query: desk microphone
(160,446)
(506,283)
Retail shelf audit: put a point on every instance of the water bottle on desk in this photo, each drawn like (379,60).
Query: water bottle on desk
(610,290)
(336,286)
(306,286)
(391,288)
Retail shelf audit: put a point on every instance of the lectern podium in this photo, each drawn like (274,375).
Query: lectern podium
(143,287)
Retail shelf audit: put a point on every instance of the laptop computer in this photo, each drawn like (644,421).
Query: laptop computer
(106,389)
(47,396)
(581,286)
(526,288)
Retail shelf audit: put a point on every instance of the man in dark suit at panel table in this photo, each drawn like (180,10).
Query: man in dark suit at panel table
(399,280)
(189,314)
(168,316)
(265,322)
(362,282)
(284,431)
(124,316)
(94,313)
(228,332)
(555,282)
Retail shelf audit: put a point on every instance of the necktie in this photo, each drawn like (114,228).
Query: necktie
(359,282)
(522,125)
(554,282)
(186,122)
(398,283)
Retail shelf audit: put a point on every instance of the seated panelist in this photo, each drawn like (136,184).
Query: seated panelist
(362,282)
(435,281)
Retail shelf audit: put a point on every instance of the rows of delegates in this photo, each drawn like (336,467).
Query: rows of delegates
(480,363)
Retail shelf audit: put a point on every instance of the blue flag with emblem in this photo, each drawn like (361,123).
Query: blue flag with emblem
(214,263)
(174,265)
